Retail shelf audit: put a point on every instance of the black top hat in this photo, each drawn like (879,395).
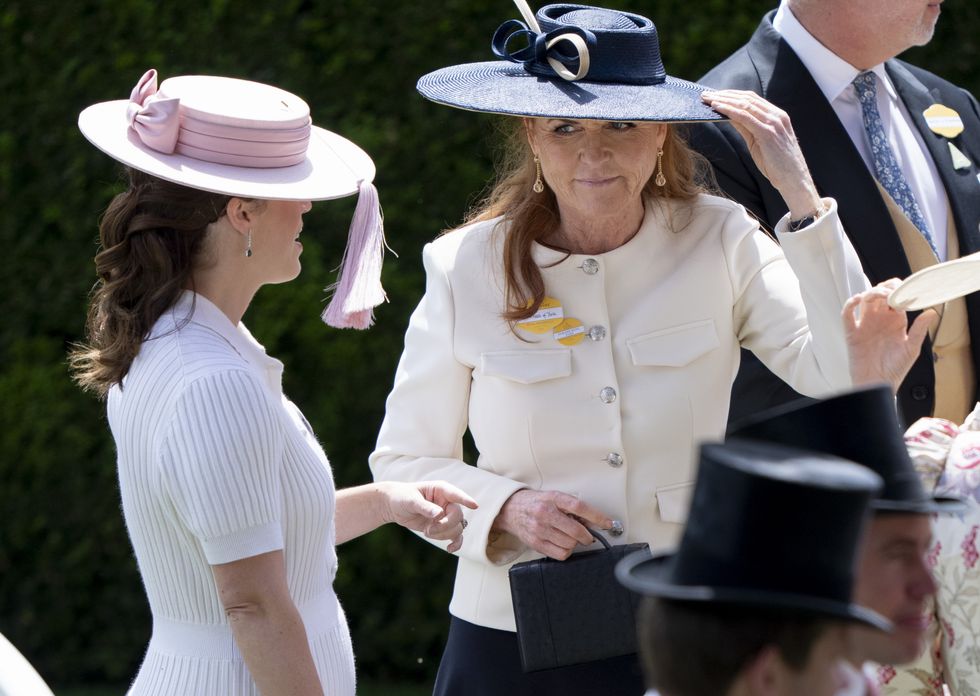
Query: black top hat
(574,62)
(861,426)
(770,526)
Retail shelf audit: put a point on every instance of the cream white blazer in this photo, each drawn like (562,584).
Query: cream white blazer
(616,418)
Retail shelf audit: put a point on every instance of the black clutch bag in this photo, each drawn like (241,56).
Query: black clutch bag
(573,611)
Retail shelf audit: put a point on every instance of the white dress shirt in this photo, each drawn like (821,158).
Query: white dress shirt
(834,76)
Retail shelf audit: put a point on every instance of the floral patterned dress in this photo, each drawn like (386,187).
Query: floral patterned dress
(947,458)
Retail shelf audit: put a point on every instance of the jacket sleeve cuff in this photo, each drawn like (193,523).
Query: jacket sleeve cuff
(787,226)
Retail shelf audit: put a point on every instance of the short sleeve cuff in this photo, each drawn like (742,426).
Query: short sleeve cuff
(243,543)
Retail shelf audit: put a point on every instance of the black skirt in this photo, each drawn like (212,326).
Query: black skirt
(481,661)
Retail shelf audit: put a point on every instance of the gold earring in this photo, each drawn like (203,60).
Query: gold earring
(661,180)
(248,248)
(538,183)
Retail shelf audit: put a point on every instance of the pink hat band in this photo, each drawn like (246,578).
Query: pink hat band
(203,132)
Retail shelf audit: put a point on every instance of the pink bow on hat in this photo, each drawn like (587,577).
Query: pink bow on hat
(155,119)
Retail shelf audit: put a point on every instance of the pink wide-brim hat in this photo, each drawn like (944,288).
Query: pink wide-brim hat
(250,140)
(228,136)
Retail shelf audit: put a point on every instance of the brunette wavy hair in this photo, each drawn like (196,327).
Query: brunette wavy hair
(151,239)
(534,216)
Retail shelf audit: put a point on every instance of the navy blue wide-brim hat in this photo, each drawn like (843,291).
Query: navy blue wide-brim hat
(770,527)
(579,62)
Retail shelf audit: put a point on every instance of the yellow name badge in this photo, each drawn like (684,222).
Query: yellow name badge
(943,121)
(548,316)
(569,332)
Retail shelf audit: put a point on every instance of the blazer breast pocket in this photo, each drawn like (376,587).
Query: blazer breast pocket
(674,501)
(527,366)
(509,388)
(675,346)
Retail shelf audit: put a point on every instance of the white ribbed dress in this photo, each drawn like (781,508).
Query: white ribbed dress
(215,465)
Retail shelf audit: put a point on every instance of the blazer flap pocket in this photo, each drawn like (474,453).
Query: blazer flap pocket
(674,501)
(527,366)
(675,346)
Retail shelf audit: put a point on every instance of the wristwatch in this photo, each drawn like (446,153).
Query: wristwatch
(797,225)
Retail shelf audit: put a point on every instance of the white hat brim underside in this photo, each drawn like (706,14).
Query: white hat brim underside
(938,284)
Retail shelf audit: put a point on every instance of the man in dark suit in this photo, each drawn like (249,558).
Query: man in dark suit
(896,146)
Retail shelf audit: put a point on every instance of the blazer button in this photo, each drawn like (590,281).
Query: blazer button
(607,395)
(590,266)
(597,333)
(614,459)
(920,392)
(617,528)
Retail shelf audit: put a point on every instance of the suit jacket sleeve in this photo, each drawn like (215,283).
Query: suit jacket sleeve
(426,416)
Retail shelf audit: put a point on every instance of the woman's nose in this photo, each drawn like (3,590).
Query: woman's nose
(594,147)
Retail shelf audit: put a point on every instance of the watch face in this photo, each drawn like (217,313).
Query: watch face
(795,225)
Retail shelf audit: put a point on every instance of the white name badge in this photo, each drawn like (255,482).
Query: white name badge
(960,161)
(550,313)
(570,332)
(548,316)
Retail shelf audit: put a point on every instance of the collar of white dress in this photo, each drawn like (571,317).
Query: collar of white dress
(198,309)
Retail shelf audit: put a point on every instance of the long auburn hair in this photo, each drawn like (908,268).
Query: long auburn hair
(151,239)
(534,216)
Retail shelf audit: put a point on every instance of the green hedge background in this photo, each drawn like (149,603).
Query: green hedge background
(70,595)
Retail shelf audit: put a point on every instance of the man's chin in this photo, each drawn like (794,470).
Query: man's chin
(900,648)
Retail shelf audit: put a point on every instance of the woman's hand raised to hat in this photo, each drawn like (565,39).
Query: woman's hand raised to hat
(768,132)
(550,522)
(881,344)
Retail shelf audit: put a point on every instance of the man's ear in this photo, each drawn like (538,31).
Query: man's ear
(766,674)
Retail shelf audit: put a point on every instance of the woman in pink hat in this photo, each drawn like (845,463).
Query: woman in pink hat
(228,498)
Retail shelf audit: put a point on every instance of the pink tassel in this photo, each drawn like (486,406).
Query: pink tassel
(358,288)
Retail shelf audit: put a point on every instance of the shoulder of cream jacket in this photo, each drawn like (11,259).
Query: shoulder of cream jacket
(613,418)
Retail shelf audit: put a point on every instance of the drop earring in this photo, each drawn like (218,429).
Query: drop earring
(661,180)
(248,247)
(538,183)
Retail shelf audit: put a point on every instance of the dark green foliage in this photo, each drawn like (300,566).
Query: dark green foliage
(70,595)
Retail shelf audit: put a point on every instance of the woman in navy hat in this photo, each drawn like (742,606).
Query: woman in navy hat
(585,323)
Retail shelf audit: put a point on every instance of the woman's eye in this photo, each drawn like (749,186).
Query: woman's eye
(564,128)
(621,125)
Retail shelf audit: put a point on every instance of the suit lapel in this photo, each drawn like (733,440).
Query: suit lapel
(960,185)
(834,162)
